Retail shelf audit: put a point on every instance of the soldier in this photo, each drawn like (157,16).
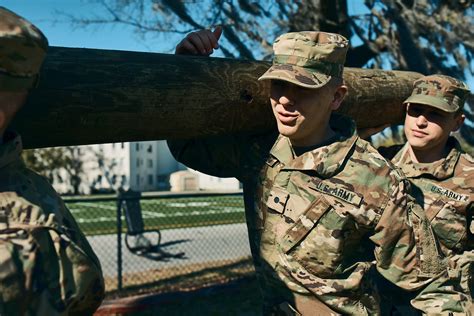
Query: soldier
(321,204)
(442,178)
(47,267)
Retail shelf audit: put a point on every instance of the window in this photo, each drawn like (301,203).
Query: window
(138,162)
(150,149)
(150,179)
(137,147)
(123,145)
(150,163)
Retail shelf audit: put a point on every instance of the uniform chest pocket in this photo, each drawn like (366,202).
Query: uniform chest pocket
(449,225)
(316,239)
(306,221)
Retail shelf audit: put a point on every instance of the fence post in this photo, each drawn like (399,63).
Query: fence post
(119,242)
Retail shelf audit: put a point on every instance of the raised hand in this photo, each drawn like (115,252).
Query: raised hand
(202,42)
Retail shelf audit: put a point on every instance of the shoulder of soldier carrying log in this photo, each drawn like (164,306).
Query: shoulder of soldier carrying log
(31,197)
(27,199)
(379,182)
(466,163)
(377,173)
(375,180)
(463,177)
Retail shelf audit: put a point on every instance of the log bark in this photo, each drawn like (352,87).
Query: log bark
(89,96)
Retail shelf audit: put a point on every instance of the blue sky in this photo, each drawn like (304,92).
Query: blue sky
(46,15)
(60,32)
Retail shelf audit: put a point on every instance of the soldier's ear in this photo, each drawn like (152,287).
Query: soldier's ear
(338,97)
(459,121)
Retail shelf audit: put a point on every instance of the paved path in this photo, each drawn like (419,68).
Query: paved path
(201,244)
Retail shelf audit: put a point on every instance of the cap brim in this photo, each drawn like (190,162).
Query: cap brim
(431,101)
(297,75)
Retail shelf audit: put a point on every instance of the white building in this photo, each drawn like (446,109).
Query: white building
(192,180)
(143,166)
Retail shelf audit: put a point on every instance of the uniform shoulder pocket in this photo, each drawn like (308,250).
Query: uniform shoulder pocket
(277,199)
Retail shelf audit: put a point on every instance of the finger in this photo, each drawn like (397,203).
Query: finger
(212,41)
(206,41)
(217,34)
(185,47)
(196,40)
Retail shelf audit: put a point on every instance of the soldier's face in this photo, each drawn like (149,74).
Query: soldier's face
(428,129)
(302,114)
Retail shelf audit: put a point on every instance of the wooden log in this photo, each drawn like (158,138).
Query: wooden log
(89,96)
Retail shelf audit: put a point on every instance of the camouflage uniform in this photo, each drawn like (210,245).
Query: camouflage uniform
(47,267)
(444,189)
(321,222)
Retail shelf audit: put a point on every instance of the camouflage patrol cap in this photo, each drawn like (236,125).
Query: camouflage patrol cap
(439,91)
(22,51)
(308,59)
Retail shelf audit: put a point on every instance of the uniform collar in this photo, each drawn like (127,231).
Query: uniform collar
(10,149)
(441,169)
(325,160)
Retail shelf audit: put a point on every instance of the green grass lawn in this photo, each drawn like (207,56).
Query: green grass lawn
(99,217)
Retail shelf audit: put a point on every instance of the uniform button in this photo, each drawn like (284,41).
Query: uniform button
(276,199)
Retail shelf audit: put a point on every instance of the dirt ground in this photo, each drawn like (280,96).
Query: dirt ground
(218,289)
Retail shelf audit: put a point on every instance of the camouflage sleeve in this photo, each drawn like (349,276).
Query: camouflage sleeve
(396,252)
(46,262)
(43,270)
(470,226)
(224,156)
(452,291)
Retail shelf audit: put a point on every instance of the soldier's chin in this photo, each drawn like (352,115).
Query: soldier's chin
(285,130)
(417,144)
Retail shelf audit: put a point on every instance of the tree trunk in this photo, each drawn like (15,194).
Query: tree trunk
(89,96)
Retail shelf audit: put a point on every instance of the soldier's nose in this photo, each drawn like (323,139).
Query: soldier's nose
(421,120)
(286,101)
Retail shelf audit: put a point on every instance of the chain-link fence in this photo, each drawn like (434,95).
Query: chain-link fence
(165,242)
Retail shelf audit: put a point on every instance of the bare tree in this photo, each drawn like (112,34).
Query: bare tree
(427,36)
(58,164)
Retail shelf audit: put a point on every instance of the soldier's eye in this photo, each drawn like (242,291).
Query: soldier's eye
(278,83)
(436,114)
(414,111)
